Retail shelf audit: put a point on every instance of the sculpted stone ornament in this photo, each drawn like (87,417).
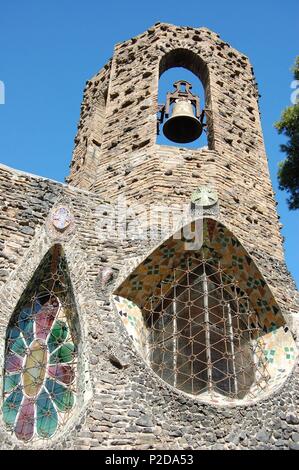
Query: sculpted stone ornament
(204,196)
(61,218)
(60,222)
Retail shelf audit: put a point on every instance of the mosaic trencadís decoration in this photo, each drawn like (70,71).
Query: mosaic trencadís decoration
(41,354)
(219,244)
(228,338)
(60,223)
(202,332)
(204,196)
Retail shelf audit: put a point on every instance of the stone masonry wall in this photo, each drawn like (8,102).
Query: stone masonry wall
(122,405)
(130,164)
(88,140)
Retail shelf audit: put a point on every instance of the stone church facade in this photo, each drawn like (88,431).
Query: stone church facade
(121,331)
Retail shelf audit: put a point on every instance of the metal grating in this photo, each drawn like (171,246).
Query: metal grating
(202,332)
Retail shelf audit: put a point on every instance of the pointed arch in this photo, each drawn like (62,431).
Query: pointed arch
(42,338)
(205,320)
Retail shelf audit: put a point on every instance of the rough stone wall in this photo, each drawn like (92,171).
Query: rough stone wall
(130,164)
(130,121)
(123,404)
(88,140)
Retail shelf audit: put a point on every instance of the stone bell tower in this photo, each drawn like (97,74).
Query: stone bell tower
(116,333)
(116,152)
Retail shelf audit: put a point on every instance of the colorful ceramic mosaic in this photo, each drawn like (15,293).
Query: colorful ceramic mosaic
(219,244)
(41,352)
(132,318)
(156,276)
(280,352)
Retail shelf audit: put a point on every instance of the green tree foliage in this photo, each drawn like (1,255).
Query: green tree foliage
(288,173)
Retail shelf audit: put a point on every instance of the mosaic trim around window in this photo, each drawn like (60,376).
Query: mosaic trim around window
(39,392)
(273,348)
(219,244)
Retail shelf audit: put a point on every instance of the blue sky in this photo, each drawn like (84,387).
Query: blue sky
(50,48)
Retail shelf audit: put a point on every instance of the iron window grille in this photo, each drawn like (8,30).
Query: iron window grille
(202,332)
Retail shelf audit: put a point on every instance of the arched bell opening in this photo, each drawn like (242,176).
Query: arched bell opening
(41,351)
(205,320)
(183,97)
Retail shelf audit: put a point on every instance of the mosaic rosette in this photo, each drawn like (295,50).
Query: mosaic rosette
(60,222)
(61,218)
(39,370)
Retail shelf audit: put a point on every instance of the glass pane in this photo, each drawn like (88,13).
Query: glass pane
(41,352)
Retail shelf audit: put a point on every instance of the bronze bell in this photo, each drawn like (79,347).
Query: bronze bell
(184,124)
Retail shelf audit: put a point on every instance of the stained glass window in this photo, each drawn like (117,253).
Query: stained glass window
(41,353)
(203,332)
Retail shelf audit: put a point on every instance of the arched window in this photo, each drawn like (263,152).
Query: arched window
(202,331)
(205,320)
(182,64)
(41,353)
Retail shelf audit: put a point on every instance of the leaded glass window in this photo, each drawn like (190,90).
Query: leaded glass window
(203,331)
(41,353)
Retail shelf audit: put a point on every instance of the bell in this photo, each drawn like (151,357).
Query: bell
(182,126)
